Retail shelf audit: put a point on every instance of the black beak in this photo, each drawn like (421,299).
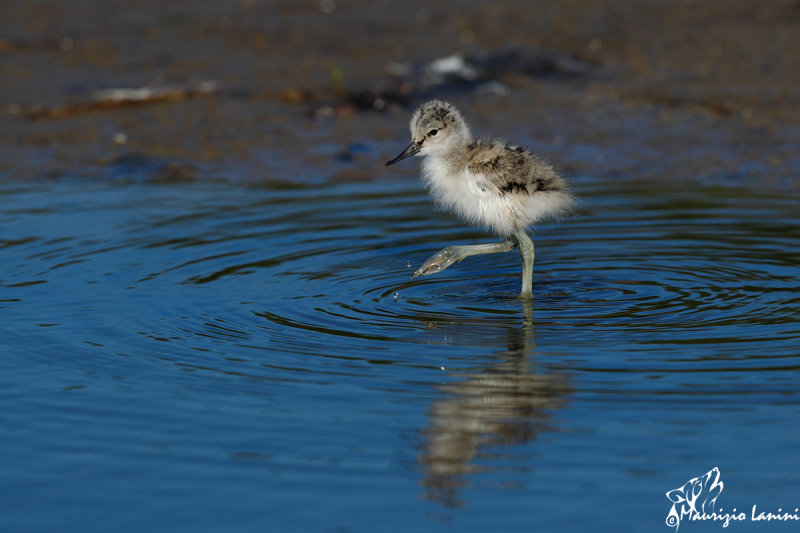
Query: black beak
(410,150)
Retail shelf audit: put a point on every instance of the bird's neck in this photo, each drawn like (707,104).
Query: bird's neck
(454,156)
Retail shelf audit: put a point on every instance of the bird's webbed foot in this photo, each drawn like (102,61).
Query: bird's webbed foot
(439,261)
(453,254)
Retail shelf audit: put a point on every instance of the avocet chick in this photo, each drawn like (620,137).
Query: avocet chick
(503,187)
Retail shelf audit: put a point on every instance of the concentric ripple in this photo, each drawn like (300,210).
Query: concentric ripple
(266,281)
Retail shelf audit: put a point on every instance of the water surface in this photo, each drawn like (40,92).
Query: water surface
(226,357)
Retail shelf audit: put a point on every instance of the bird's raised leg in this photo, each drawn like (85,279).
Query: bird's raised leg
(452,254)
(526,251)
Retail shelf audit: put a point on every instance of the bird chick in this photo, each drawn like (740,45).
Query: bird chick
(503,187)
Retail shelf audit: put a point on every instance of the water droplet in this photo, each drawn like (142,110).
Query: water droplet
(396,296)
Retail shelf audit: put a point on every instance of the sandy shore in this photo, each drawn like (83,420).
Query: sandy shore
(304,91)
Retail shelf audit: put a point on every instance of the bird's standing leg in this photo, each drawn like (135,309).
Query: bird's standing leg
(452,254)
(526,251)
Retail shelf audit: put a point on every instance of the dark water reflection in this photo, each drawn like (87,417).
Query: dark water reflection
(505,403)
(220,355)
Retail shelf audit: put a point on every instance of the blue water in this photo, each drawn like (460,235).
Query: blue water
(223,357)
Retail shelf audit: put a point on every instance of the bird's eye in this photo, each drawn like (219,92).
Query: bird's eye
(432,133)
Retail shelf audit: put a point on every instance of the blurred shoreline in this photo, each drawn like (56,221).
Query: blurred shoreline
(302,91)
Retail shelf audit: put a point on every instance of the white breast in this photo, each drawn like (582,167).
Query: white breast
(474,198)
(466,194)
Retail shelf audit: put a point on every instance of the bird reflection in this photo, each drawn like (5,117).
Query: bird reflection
(508,402)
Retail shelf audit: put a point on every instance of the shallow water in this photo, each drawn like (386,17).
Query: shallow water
(220,356)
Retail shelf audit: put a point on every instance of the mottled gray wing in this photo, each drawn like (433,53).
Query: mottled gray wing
(509,169)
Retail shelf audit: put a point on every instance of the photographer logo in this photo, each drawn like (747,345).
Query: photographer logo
(697,500)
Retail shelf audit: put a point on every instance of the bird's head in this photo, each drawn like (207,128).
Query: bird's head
(436,128)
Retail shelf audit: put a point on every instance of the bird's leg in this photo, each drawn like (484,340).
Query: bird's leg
(526,251)
(452,254)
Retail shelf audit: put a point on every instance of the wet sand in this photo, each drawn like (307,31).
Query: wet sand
(702,91)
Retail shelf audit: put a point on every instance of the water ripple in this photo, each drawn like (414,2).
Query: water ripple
(248,280)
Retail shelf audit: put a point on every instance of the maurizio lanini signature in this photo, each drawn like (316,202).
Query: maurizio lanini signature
(697,498)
